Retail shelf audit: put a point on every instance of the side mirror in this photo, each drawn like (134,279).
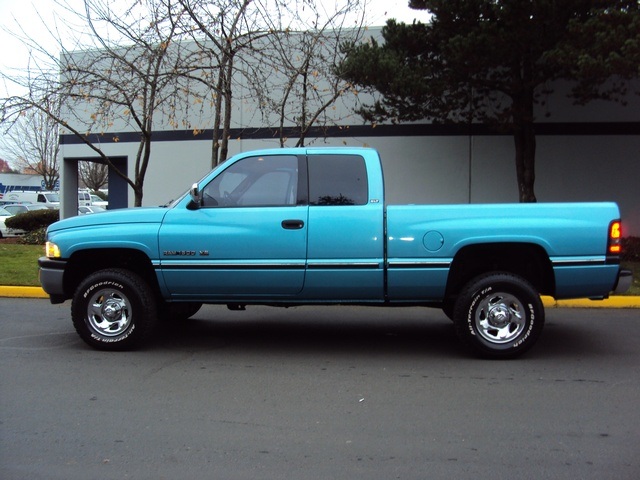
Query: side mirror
(196,196)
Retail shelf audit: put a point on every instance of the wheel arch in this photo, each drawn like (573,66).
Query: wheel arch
(527,260)
(85,262)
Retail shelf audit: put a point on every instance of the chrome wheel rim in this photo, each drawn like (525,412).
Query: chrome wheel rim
(500,318)
(109,312)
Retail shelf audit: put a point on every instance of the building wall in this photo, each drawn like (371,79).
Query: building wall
(19,181)
(584,153)
(438,169)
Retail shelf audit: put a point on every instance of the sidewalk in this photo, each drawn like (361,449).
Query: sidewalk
(612,302)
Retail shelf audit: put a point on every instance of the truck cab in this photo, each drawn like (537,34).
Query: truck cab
(280,223)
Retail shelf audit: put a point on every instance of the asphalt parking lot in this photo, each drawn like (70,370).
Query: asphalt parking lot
(309,393)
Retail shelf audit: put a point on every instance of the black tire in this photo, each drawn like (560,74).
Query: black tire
(499,315)
(114,309)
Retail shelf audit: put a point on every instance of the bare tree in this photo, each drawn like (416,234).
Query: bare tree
(33,144)
(147,66)
(282,50)
(128,81)
(93,174)
(123,79)
(223,29)
(298,89)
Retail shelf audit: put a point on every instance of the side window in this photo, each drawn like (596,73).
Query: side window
(254,182)
(338,180)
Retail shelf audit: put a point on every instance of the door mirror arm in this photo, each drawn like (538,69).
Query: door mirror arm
(196,197)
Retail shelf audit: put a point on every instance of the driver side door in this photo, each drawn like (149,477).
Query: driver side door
(247,240)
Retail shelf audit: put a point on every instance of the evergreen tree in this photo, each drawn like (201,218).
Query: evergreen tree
(492,61)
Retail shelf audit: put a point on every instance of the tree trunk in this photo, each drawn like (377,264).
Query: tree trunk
(524,136)
(137,196)
(215,147)
(228,105)
(525,143)
(142,161)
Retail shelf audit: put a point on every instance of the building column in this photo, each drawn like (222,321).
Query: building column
(69,188)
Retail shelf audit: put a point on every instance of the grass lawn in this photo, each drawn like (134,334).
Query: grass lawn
(19,266)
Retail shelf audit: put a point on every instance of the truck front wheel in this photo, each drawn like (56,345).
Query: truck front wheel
(499,315)
(113,309)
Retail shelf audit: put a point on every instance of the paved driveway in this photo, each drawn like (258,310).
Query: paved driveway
(315,393)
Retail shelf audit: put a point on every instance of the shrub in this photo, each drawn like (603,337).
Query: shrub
(34,220)
(102,195)
(35,237)
(631,249)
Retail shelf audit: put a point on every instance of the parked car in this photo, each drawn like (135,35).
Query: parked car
(17,208)
(86,210)
(4,231)
(96,200)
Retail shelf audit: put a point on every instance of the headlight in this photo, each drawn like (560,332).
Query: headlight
(51,250)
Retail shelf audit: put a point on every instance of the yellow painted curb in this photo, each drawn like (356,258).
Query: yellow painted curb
(23,292)
(611,302)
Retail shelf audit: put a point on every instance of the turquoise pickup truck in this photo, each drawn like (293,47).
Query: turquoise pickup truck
(311,226)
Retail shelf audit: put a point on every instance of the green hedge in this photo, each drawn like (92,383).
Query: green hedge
(34,220)
(35,223)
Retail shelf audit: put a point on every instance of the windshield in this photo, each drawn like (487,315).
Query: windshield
(52,197)
(4,213)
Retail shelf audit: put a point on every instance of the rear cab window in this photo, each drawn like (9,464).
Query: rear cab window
(338,180)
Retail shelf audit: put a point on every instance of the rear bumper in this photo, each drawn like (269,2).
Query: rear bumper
(623,282)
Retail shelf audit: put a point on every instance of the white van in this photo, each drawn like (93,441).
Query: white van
(84,198)
(50,199)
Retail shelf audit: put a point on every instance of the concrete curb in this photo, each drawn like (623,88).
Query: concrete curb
(549,302)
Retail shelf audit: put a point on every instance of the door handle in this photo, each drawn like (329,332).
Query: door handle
(292,224)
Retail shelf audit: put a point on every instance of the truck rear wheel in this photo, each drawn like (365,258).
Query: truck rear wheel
(113,309)
(499,315)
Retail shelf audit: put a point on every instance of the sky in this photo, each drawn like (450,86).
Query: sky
(25,13)
(29,15)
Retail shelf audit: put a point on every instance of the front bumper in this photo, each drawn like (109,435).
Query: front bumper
(51,275)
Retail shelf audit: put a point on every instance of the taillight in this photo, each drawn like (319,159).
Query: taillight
(614,246)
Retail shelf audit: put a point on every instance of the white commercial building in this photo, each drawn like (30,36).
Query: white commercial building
(584,153)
